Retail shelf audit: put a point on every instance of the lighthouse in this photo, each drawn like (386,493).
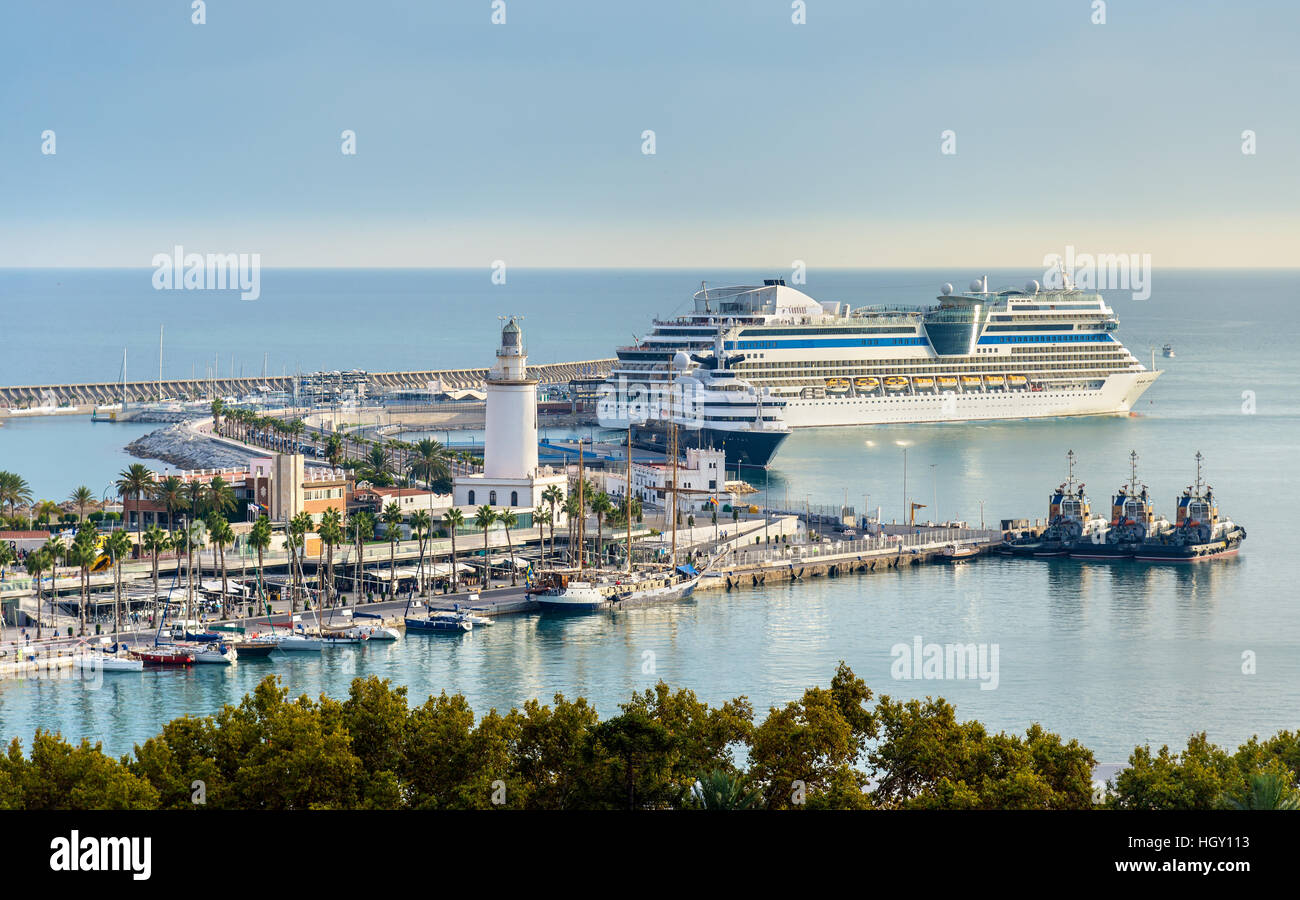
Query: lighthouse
(510,444)
(511,477)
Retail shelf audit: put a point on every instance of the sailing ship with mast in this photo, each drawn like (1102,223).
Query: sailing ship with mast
(568,591)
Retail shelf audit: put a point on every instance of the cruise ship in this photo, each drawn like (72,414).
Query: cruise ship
(983,354)
(713,408)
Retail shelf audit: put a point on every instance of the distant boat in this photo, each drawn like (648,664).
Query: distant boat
(166,656)
(107,663)
(959,552)
(1168,351)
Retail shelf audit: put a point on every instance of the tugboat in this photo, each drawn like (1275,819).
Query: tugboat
(1069,518)
(1069,514)
(1132,522)
(1199,532)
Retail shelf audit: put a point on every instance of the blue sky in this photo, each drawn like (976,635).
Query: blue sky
(775,141)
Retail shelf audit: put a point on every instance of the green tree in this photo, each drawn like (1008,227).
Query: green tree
(38,563)
(118,547)
(508,520)
(170,492)
(553,497)
(721,789)
(484,518)
(221,535)
(454,519)
(330,530)
(1193,779)
(601,506)
(81,497)
(259,538)
(421,530)
(392,518)
(133,483)
(1263,790)
(14,490)
(430,463)
(60,776)
(807,752)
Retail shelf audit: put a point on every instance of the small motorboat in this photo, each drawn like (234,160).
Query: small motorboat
(454,622)
(1168,351)
(959,552)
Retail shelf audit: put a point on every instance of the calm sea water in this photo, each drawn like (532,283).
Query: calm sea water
(1112,655)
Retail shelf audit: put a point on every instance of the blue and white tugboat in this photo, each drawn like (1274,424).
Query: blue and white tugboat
(1199,531)
(1132,522)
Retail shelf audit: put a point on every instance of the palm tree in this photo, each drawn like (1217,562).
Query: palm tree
(133,483)
(196,495)
(552,497)
(217,408)
(196,536)
(299,526)
(81,498)
(484,517)
(573,511)
(37,563)
(155,541)
(1263,790)
(392,518)
(509,520)
(180,542)
(421,528)
(45,510)
(600,508)
(7,558)
(119,547)
(14,490)
(453,519)
(330,530)
(259,538)
(170,492)
(221,535)
(362,526)
(721,789)
(84,553)
(379,465)
(333,449)
(220,496)
(430,463)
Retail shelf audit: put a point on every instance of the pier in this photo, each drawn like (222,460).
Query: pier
(84,397)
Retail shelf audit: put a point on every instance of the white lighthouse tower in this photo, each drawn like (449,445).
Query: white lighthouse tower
(511,477)
(510,447)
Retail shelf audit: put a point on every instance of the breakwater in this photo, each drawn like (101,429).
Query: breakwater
(94,393)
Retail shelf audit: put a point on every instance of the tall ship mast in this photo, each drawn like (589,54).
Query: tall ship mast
(1030,352)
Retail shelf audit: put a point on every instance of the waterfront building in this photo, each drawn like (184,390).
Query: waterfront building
(409,500)
(280,486)
(701,481)
(511,477)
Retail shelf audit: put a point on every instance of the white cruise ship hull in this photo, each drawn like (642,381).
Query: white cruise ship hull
(1117,396)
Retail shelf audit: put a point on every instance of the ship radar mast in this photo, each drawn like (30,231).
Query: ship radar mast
(1132,473)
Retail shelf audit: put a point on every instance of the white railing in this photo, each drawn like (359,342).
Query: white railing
(795,553)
